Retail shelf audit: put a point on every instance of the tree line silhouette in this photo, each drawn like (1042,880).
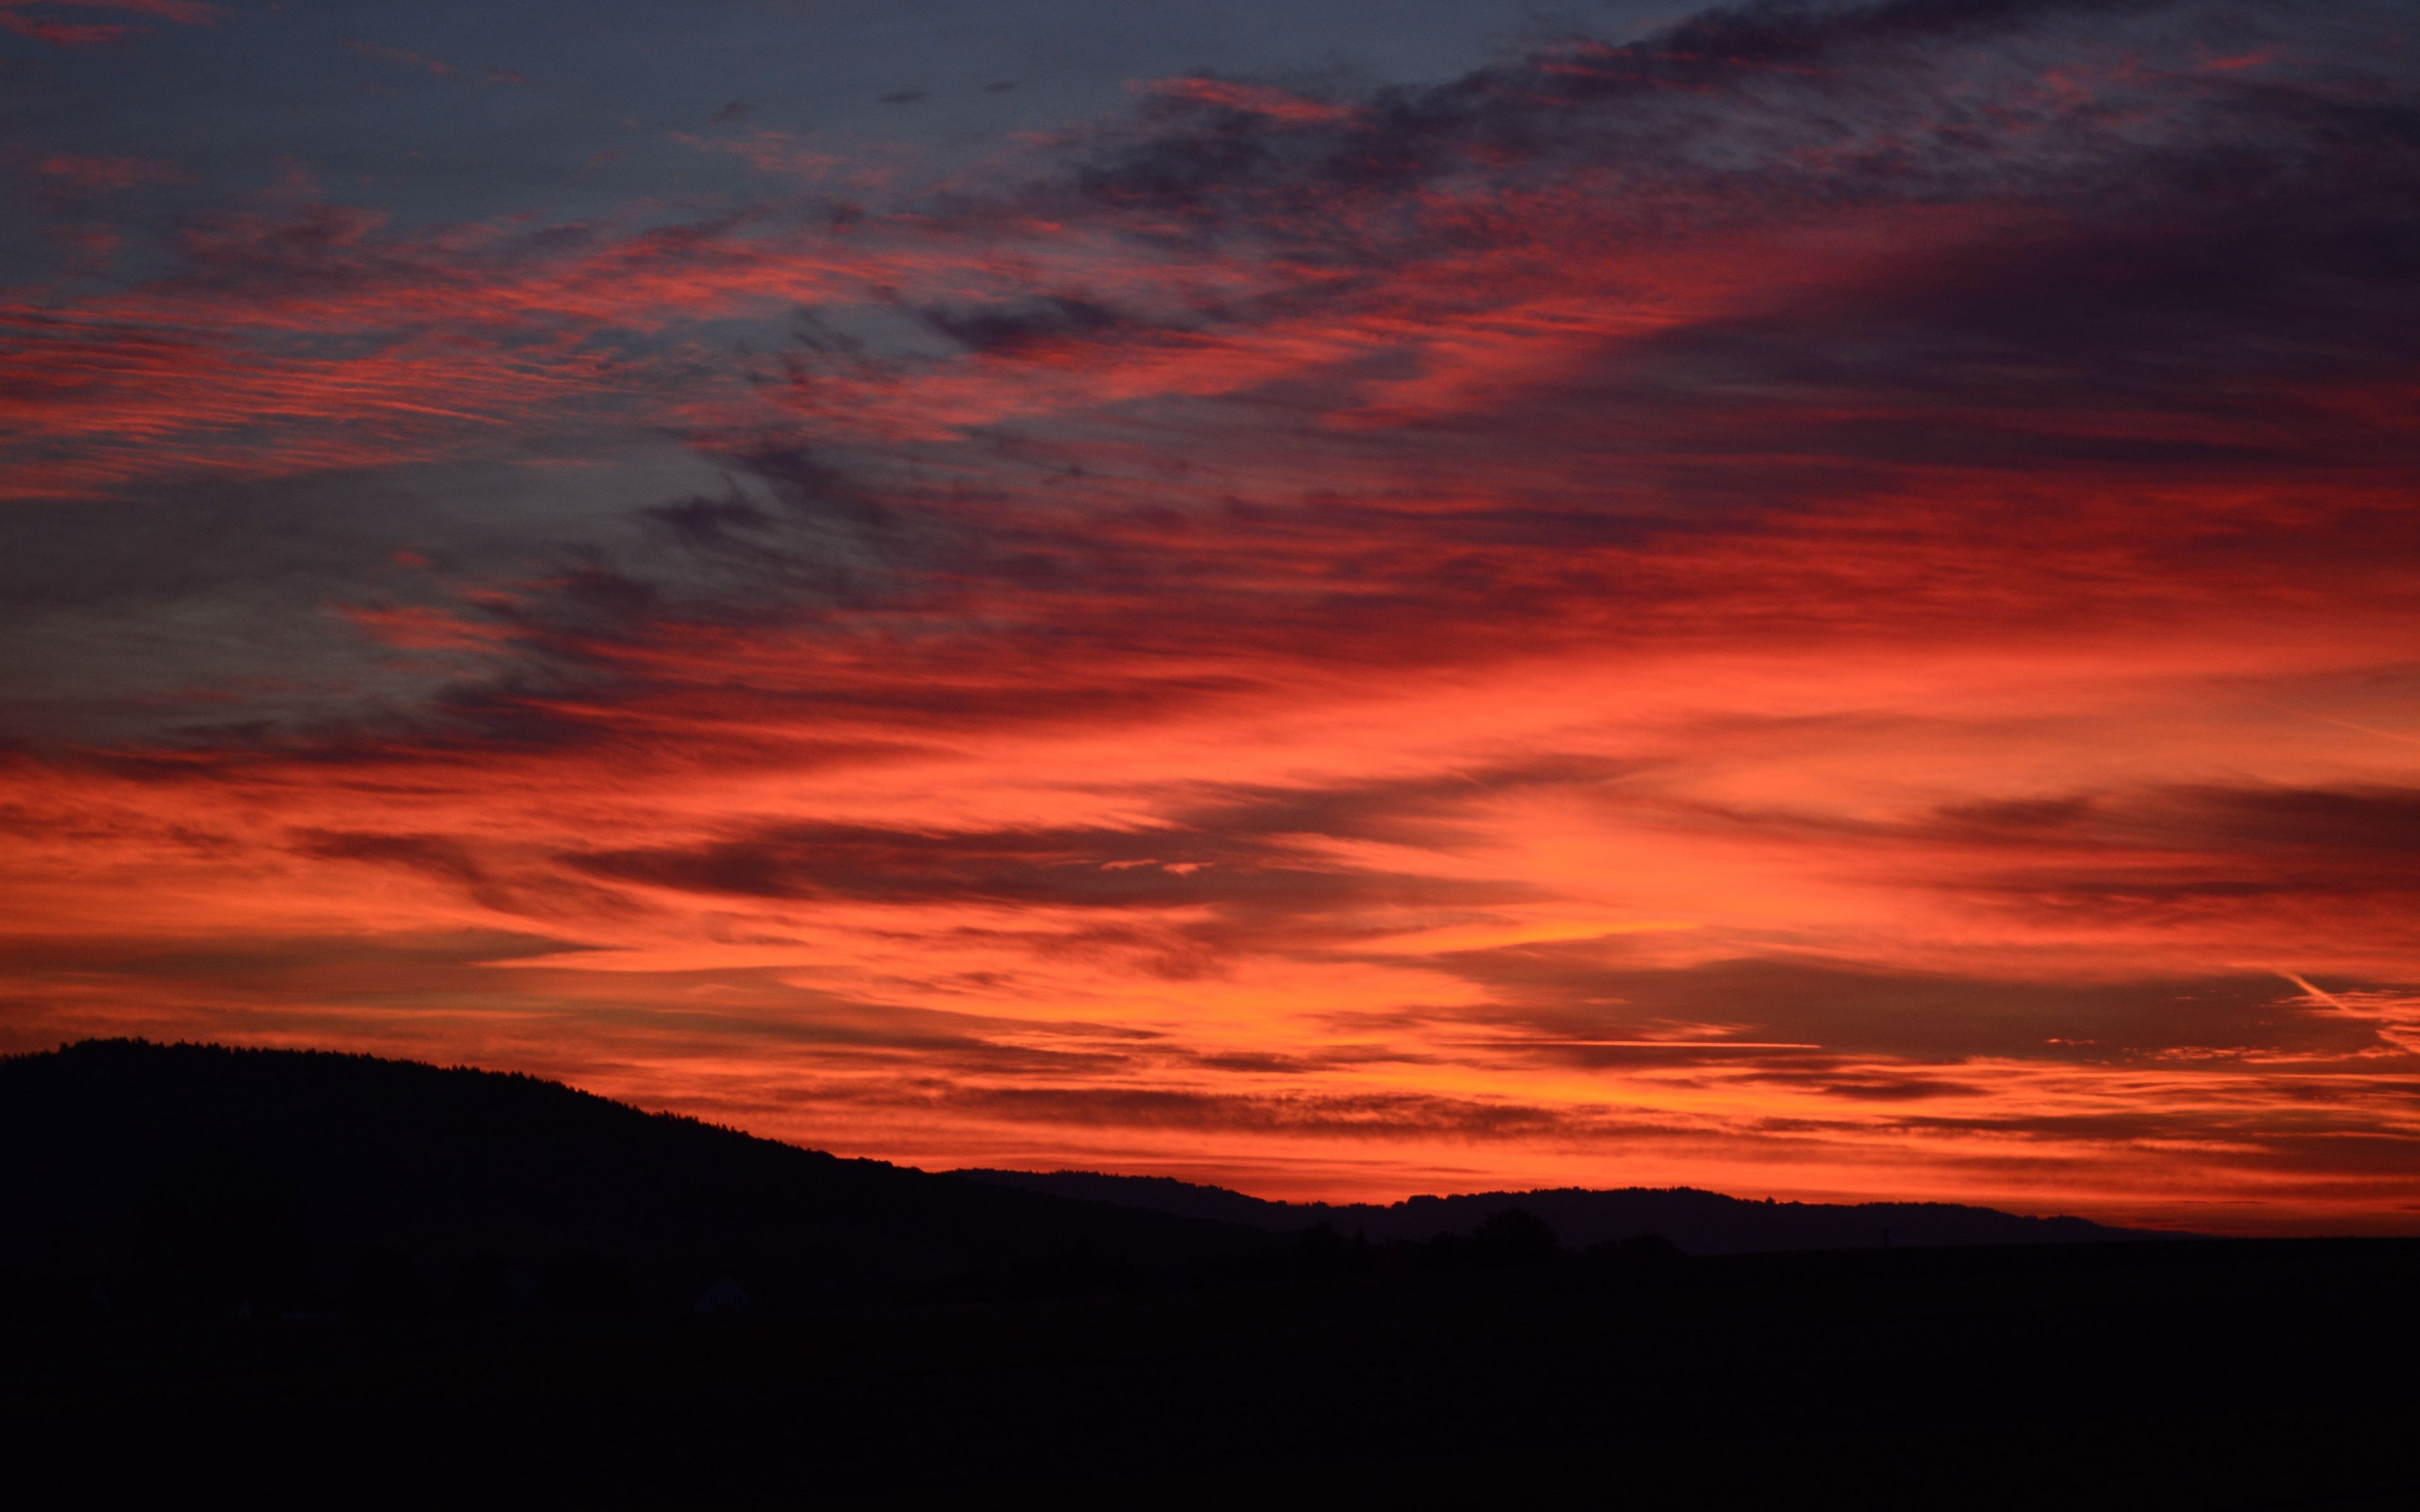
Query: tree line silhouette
(269,1270)
(221,1239)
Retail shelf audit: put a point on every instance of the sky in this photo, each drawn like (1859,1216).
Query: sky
(1816,600)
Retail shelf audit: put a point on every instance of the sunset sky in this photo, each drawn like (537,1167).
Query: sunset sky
(1815,600)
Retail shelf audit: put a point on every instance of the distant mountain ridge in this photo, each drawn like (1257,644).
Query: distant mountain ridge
(293,1167)
(1700,1223)
(202,1176)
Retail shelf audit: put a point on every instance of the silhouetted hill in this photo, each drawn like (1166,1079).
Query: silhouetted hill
(296,1179)
(1700,1223)
(1413,1370)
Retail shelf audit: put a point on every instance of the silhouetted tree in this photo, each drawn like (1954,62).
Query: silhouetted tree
(1641,1254)
(1513,1238)
(1319,1252)
(1650,1252)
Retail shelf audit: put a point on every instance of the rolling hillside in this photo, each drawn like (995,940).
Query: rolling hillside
(1700,1223)
(280,1172)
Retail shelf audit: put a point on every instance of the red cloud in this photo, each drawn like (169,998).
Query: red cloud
(400,56)
(1762,604)
(31,19)
(105,173)
(1258,99)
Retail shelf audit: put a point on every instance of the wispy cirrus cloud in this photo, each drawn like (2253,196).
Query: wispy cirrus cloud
(403,57)
(55,21)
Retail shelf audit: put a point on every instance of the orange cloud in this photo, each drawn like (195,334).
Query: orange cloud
(1723,609)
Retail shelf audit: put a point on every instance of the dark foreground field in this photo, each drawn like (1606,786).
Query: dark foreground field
(2183,1374)
(230,1275)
